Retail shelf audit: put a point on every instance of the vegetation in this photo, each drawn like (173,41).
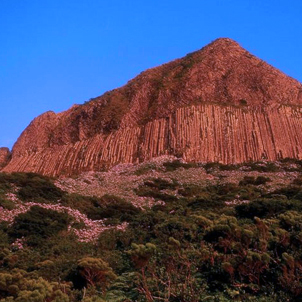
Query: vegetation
(32,186)
(214,242)
(176,164)
(38,224)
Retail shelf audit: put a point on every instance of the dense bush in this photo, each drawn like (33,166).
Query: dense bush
(18,285)
(263,166)
(38,188)
(291,192)
(251,180)
(176,164)
(80,202)
(161,184)
(266,208)
(297,181)
(38,224)
(32,186)
(107,206)
(219,166)
(155,186)
(110,206)
(145,168)
(6,204)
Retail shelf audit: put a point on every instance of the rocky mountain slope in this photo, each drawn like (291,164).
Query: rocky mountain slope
(4,156)
(217,104)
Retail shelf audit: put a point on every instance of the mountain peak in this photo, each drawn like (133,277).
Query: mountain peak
(224,41)
(226,45)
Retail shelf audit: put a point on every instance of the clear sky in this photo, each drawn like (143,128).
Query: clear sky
(55,53)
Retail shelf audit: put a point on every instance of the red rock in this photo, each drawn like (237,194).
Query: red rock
(4,156)
(217,104)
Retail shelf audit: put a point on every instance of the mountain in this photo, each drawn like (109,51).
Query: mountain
(166,229)
(217,104)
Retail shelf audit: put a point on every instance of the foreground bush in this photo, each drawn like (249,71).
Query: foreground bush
(38,224)
(21,286)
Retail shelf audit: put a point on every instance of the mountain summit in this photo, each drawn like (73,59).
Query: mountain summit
(220,103)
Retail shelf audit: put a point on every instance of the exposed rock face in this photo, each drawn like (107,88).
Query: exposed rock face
(4,156)
(217,104)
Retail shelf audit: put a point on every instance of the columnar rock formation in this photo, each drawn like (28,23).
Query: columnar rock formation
(4,156)
(217,104)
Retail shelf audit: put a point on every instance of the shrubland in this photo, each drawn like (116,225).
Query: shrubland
(208,241)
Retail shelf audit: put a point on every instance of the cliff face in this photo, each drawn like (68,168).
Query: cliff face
(197,133)
(217,104)
(4,156)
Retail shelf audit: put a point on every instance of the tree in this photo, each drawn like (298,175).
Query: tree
(96,272)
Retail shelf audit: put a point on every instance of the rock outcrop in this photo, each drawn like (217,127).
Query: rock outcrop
(217,104)
(4,156)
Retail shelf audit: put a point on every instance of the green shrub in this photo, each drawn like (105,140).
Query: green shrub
(211,166)
(217,231)
(110,206)
(18,285)
(204,204)
(265,208)
(193,191)
(161,184)
(261,180)
(145,168)
(80,202)
(38,224)
(219,166)
(263,166)
(251,180)
(107,206)
(176,164)
(291,220)
(153,187)
(243,102)
(6,204)
(291,192)
(5,184)
(297,181)
(38,188)
(32,186)
(179,229)
(157,195)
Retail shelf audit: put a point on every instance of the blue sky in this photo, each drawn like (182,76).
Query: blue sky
(55,53)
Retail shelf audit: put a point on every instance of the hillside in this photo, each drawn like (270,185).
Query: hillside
(163,230)
(218,104)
